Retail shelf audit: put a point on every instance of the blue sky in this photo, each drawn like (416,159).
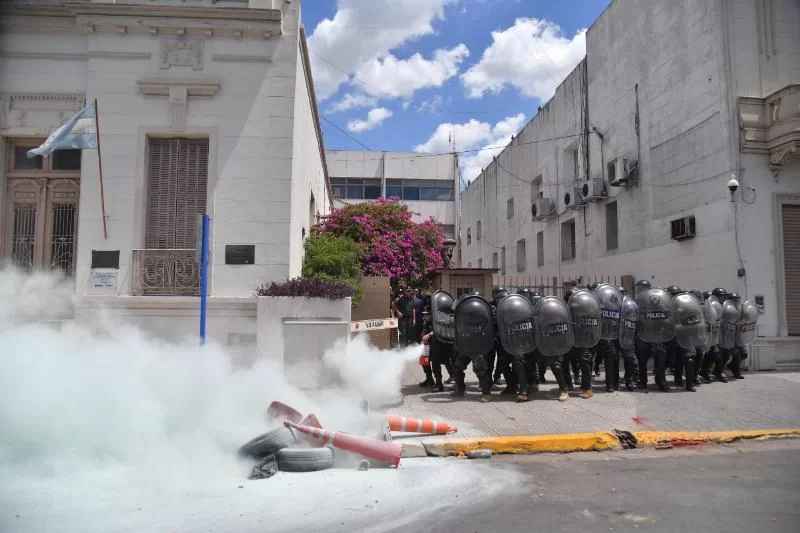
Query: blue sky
(409,75)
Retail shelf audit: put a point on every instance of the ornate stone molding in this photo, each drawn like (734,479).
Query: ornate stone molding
(125,18)
(181,53)
(41,113)
(178,90)
(66,56)
(771,125)
(240,58)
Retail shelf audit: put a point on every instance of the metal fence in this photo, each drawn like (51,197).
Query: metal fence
(553,285)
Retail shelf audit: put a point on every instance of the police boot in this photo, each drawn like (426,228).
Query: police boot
(439,387)
(460,388)
(429,382)
(690,376)
(563,395)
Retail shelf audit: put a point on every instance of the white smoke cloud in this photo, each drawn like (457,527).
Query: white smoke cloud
(110,430)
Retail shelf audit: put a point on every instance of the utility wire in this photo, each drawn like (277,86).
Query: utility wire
(340,130)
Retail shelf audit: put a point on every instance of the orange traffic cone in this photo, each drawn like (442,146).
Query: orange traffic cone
(385,452)
(312,421)
(282,411)
(419,425)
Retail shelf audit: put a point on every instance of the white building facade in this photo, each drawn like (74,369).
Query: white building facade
(427,183)
(204,107)
(624,171)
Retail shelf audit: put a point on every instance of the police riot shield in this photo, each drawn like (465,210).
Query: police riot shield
(654,320)
(584,310)
(712,310)
(442,316)
(728,325)
(746,331)
(610,307)
(627,326)
(690,322)
(474,331)
(552,328)
(515,324)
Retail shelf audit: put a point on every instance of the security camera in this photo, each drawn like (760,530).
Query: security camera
(733,185)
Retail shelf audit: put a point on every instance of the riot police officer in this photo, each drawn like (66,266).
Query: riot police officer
(675,356)
(554,336)
(474,340)
(627,339)
(585,312)
(499,361)
(643,349)
(610,310)
(713,357)
(654,327)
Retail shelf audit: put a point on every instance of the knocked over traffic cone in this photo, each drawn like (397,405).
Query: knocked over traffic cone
(311,421)
(419,425)
(281,411)
(385,452)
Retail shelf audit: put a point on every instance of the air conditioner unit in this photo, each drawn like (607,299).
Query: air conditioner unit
(542,209)
(574,199)
(621,172)
(594,190)
(683,228)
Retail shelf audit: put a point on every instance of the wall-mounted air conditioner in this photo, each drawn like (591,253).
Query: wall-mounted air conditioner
(574,199)
(594,190)
(621,172)
(543,209)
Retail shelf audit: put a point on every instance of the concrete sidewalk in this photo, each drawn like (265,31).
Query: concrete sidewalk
(760,401)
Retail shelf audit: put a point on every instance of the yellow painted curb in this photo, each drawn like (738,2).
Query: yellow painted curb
(579,442)
(654,438)
(575,442)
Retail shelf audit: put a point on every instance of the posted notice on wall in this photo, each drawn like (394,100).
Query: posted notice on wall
(104,280)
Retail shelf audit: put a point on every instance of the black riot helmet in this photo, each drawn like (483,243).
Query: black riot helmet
(641,286)
(720,293)
(697,294)
(735,297)
(498,293)
(475,293)
(706,295)
(568,294)
(622,290)
(592,286)
(524,291)
(673,290)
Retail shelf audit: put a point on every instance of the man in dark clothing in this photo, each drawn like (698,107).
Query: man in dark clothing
(418,303)
(404,308)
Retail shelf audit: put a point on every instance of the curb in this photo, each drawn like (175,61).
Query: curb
(582,442)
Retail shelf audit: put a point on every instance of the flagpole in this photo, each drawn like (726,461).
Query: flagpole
(100,168)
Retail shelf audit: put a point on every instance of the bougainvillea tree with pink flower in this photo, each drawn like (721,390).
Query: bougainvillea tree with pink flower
(392,244)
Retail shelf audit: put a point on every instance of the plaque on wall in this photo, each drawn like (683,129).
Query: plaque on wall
(240,254)
(105,259)
(104,280)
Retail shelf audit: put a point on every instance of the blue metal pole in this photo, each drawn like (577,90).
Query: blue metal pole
(204,280)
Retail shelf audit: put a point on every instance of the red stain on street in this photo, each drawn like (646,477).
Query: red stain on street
(639,421)
(686,443)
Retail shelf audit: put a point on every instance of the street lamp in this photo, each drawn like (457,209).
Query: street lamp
(449,244)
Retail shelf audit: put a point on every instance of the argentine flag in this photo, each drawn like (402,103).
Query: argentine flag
(79,133)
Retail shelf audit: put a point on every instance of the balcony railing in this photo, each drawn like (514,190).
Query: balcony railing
(170,272)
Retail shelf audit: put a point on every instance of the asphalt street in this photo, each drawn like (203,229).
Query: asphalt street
(752,486)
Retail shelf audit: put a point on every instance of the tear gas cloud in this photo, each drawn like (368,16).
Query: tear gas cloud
(75,399)
(106,429)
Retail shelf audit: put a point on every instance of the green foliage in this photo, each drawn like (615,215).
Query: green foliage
(334,258)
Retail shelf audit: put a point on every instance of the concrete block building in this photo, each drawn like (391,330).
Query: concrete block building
(427,183)
(625,171)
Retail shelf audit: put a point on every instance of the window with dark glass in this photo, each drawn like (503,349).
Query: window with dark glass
(339,187)
(394,188)
(372,188)
(66,160)
(21,161)
(411,189)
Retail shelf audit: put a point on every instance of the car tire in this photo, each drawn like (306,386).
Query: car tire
(269,443)
(304,459)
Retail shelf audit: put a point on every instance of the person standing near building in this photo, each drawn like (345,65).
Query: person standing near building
(419,303)
(403,307)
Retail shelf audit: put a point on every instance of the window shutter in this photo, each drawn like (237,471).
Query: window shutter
(791,265)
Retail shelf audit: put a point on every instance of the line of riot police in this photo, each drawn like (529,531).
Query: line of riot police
(525,333)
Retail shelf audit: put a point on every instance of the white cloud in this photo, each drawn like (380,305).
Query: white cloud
(400,78)
(374,119)
(352,101)
(532,55)
(473,135)
(362,30)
